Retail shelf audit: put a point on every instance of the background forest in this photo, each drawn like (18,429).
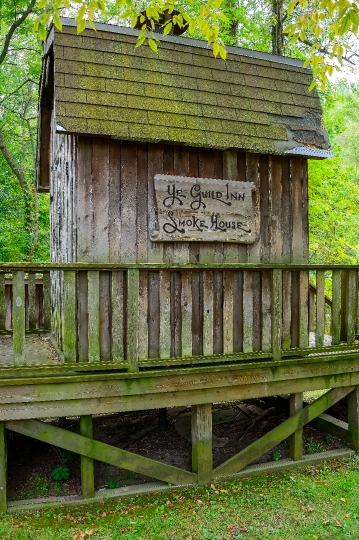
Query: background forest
(333,183)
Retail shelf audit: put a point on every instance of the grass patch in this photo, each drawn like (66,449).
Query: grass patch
(319,502)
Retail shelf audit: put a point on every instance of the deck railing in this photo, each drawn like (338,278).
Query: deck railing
(135,317)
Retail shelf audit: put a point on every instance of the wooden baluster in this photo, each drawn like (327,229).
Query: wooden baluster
(2,302)
(132,335)
(31,292)
(69,316)
(143,315)
(247,311)
(46,288)
(266,308)
(303,308)
(277,313)
(336,309)
(117,319)
(287,309)
(18,317)
(351,306)
(228,311)
(165,314)
(320,313)
(186,305)
(344,306)
(207,312)
(93,308)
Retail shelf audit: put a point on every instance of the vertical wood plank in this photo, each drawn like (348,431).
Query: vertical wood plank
(202,460)
(277,312)
(303,308)
(31,288)
(18,317)
(351,310)
(265,228)
(3,468)
(117,319)
(87,464)
(105,316)
(336,306)
(257,309)
(132,337)
(2,302)
(237,311)
(165,314)
(320,312)
(69,316)
(286,211)
(266,326)
(299,241)
(82,317)
(129,194)
(353,418)
(93,303)
(344,306)
(186,319)
(287,309)
(114,206)
(100,195)
(247,311)
(276,240)
(254,174)
(207,312)
(296,440)
(143,315)
(84,201)
(142,203)
(227,311)
(46,291)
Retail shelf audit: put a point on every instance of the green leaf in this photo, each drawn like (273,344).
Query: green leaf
(153,45)
(57,21)
(81,26)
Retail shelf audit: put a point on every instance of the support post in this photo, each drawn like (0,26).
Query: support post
(3,467)
(353,418)
(202,459)
(296,440)
(87,465)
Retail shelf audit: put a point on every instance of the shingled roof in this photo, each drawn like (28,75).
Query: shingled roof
(253,101)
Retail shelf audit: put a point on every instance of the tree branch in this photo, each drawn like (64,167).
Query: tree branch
(16,169)
(13,28)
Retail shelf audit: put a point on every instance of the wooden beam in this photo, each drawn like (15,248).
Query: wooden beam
(281,432)
(87,464)
(101,451)
(353,418)
(202,459)
(18,317)
(3,468)
(333,426)
(296,440)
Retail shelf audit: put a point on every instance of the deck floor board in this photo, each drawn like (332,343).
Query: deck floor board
(38,350)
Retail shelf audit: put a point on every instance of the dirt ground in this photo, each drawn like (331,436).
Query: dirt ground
(32,465)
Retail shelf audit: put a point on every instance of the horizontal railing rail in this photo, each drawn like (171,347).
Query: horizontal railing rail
(140,316)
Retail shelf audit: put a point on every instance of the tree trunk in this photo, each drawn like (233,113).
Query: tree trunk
(277,28)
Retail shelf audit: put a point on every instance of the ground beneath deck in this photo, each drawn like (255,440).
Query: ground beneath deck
(32,465)
(39,349)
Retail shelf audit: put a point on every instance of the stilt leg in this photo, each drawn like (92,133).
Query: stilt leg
(3,467)
(296,440)
(87,467)
(202,460)
(353,418)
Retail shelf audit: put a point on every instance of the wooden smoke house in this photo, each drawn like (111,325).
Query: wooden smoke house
(179,249)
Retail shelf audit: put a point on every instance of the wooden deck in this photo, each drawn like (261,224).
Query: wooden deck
(202,344)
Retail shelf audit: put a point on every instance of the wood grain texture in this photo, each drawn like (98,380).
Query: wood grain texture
(87,464)
(93,303)
(320,311)
(296,439)
(201,426)
(18,317)
(3,468)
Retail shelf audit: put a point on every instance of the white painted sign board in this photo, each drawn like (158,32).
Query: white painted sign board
(203,209)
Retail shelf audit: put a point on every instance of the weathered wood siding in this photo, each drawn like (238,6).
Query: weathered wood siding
(102,212)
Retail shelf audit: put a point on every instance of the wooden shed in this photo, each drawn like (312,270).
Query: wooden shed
(179,249)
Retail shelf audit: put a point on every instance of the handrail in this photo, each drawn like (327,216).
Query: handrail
(41,267)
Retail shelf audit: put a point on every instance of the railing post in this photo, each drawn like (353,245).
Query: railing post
(133,290)
(303,308)
(69,316)
(344,306)
(31,292)
(277,313)
(351,309)
(336,310)
(18,317)
(46,289)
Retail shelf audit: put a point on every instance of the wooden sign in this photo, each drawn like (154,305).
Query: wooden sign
(202,209)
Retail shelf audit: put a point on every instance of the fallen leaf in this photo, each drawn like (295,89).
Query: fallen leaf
(309,509)
(326,522)
(347,515)
(338,524)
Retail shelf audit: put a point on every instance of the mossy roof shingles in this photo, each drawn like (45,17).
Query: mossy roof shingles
(252,101)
